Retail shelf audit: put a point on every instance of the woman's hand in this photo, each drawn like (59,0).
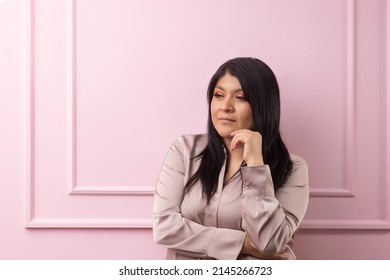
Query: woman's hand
(248,249)
(252,144)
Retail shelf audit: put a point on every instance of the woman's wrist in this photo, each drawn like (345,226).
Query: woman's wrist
(255,162)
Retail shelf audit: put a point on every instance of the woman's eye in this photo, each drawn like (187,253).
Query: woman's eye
(241,97)
(217,95)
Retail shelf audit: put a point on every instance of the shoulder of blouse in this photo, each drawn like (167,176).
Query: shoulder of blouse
(299,175)
(298,161)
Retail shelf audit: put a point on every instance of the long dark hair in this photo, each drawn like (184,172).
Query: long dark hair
(262,92)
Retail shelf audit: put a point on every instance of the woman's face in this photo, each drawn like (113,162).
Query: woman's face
(230,110)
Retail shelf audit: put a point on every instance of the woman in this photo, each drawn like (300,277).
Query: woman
(235,193)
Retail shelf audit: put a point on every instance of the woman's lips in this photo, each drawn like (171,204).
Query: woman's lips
(224,119)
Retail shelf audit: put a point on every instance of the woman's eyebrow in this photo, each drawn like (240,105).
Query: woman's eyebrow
(219,87)
(234,91)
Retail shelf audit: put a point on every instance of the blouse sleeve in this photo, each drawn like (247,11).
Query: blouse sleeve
(269,220)
(173,231)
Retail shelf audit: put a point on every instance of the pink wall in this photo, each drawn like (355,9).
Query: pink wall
(93,92)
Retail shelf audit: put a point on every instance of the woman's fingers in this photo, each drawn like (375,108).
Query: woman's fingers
(238,138)
(252,145)
(241,136)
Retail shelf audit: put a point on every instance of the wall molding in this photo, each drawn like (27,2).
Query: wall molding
(332,192)
(73,188)
(32,221)
(30,90)
(349,190)
(112,190)
(345,224)
(387,165)
(361,224)
(90,223)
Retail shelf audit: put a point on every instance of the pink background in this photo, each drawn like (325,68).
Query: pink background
(92,94)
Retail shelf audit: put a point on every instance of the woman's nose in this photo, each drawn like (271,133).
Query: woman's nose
(227,105)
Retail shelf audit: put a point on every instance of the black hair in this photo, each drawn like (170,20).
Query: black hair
(261,89)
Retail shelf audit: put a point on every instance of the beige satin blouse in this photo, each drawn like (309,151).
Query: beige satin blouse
(192,229)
